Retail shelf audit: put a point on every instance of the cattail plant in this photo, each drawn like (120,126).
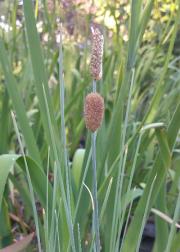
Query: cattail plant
(37,147)
(93,113)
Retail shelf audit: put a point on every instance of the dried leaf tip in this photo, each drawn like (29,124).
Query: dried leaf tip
(93,111)
(96,54)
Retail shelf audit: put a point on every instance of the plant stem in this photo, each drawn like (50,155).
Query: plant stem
(95,213)
(63,131)
(145,215)
(126,226)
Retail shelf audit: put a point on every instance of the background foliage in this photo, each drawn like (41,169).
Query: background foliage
(137,145)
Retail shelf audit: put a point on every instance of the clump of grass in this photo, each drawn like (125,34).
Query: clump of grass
(130,152)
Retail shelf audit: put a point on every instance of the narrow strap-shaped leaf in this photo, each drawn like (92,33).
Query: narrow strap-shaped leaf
(133,37)
(145,18)
(4,123)
(161,225)
(164,146)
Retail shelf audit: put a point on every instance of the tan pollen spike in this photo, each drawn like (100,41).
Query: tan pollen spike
(93,111)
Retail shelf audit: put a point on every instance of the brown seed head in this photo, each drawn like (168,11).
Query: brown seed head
(93,111)
(96,54)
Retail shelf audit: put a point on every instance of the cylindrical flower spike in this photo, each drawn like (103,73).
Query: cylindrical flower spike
(93,111)
(96,54)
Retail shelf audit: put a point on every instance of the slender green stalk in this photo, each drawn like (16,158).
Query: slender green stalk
(145,215)
(63,130)
(57,231)
(126,226)
(54,244)
(47,202)
(95,212)
(106,199)
(29,182)
(94,86)
(122,173)
(173,226)
(79,238)
(54,202)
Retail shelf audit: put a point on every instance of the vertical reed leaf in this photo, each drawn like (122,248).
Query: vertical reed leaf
(4,123)
(161,226)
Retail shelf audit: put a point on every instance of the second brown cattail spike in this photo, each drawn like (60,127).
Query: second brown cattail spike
(96,54)
(93,111)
